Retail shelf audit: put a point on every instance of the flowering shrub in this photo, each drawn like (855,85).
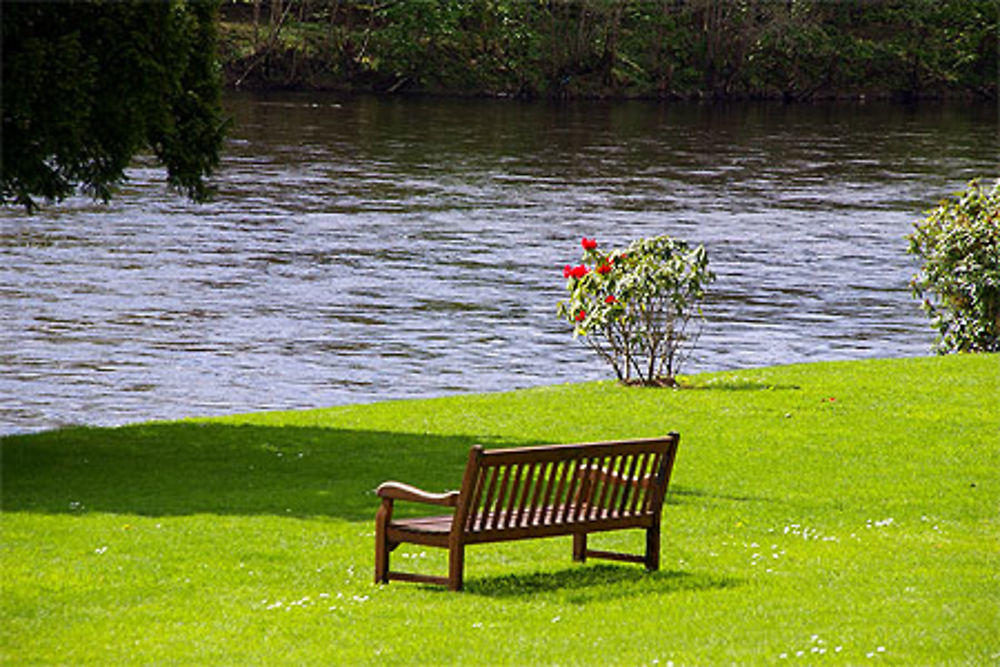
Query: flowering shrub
(633,306)
(959,281)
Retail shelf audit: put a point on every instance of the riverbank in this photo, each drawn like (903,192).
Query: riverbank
(795,52)
(844,510)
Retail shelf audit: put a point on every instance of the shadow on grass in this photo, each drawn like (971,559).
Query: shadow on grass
(194,468)
(175,469)
(593,583)
(737,384)
(678,494)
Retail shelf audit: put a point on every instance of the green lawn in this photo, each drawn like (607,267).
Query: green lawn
(840,513)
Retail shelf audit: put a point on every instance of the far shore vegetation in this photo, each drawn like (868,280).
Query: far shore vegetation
(833,513)
(795,50)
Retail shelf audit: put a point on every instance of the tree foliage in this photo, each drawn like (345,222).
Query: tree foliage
(959,281)
(87,85)
(791,49)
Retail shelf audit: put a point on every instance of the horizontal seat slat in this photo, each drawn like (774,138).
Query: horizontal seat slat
(555,530)
(427,524)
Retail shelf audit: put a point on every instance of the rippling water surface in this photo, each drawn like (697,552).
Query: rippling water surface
(364,249)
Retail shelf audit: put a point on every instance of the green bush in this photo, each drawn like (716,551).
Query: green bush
(959,281)
(633,307)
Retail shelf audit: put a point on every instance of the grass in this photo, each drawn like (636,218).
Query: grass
(840,513)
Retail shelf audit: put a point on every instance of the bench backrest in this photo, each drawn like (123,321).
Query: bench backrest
(549,490)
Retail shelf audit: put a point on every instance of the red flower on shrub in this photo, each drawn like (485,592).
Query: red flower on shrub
(567,271)
(579,271)
(581,315)
(604,268)
(611,299)
(588,244)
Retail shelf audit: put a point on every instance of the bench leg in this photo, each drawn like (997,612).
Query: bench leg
(381,561)
(652,559)
(382,546)
(456,565)
(580,547)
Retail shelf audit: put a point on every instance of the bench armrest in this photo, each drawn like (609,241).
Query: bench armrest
(399,491)
(611,476)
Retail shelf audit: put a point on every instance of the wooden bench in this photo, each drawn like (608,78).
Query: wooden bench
(533,492)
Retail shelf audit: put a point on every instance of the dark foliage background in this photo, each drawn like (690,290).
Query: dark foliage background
(716,49)
(88,85)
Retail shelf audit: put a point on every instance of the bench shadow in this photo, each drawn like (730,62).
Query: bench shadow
(678,494)
(593,583)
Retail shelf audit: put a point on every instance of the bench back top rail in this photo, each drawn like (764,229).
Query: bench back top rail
(532,489)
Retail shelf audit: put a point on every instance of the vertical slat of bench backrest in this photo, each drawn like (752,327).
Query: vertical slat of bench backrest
(520,483)
(663,472)
(510,511)
(582,498)
(602,499)
(509,489)
(619,467)
(537,492)
(572,482)
(552,473)
(560,488)
(528,488)
(501,494)
(622,491)
(483,510)
(470,492)
(472,499)
(638,490)
(654,467)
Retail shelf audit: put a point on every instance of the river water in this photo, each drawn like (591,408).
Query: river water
(364,249)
